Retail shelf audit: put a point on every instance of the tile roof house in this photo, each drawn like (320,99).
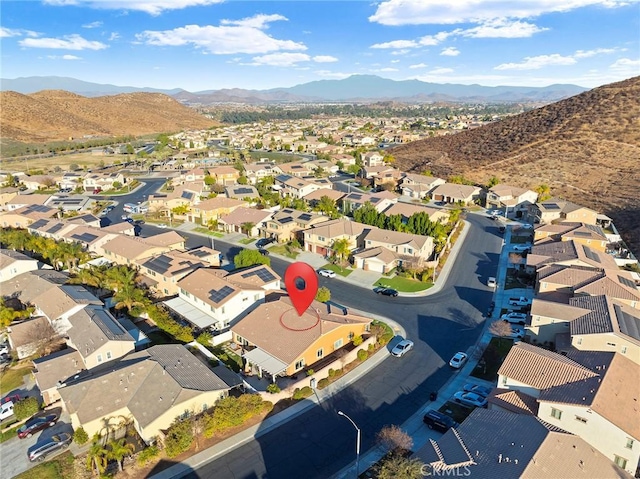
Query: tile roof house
(419,186)
(127,250)
(407,248)
(320,237)
(455,193)
(98,336)
(567,253)
(288,223)
(61,302)
(494,444)
(298,187)
(553,210)
(209,298)
(406,210)
(14,263)
(50,228)
(54,370)
(214,208)
(27,337)
(225,175)
(586,234)
(372,158)
(26,215)
(6,194)
(242,192)
(380,201)
(187,194)
(234,222)
(32,284)
(590,394)
(20,201)
(278,342)
(315,196)
(152,387)
(511,199)
(257,171)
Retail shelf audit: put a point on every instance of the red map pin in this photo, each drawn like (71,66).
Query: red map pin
(302,285)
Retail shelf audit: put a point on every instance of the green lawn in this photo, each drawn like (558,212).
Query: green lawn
(282,249)
(207,231)
(11,379)
(405,285)
(160,337)
(248,240)
(492,359)
(338,269)
(458,412)
(61,467)
(8,434)
(231,359)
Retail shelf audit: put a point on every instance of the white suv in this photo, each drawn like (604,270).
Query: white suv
(514,318)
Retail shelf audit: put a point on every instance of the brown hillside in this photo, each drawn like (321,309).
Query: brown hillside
(57,115)
(586,148)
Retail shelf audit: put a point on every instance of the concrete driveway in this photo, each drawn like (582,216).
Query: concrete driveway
(14,451)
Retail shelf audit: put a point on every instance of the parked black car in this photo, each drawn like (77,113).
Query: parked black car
(386,291)
(438,421)
(42,449)
(263,252)
(262,242)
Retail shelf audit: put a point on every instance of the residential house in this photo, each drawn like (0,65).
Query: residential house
(123,228)
(7,194)
(325,166)
(314,197)
(187,194)
(39,182)
(103,181)
(586,234)
(195,174)
(372,158)
(346,160)
(71,180)
(382,175)
(288,224)
(455,193)
(554,210)
(586,393)
(86,219)
(58,304)
(98,337)
(66,203)
(380,201)
(162,272)
(258,171)
(321,237)
(225,175)
(567,253)
(51,228)
(298,169)
(244,220)
(277,341)
(405,248)
(129,250)
(550,320)
(497,443)
(29,337)
(242,192)
(54,370)
(151,387)
(207,299)
(514,201)
(25,216)
(298,187)
(213,208)
(14,263)
(20,201)
(406,210)
(32,284)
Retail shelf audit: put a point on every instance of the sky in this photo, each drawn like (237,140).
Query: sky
(212,44)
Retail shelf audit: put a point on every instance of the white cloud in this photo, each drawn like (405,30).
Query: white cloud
(396,44)
(418,65)
(432,40)
(95,24)
(324,59)
(434,12)
(285,59)
(441,71)
(401,52)
(383,70)
(68,42)
(535,63)
(13,32)
(592,53)
(450,52)
(63,57)
(231,37)
(114,36)
(626,64)
(502,28)
(153,7)
(395,61)
(333,75)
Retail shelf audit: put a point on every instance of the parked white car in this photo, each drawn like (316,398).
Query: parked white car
(491,282)
(458,360)
(327,273)
(521,247)
(470,399)
(514,318)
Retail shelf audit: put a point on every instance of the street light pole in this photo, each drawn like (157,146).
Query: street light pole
(340,413)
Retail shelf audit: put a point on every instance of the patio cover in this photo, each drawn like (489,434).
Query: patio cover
(189,312)
(265,361)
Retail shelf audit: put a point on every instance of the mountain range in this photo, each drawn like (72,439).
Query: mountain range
(356,88)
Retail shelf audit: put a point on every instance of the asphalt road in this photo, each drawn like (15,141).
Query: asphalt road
(140,195)
(319,443)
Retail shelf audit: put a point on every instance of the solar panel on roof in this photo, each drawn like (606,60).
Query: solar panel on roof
(243,191)
(187,195)
(582,233)
(262,273)
(55,228)
(198,253)
(159,264)
(84,237)
(551,206)
(287,210)
(305,217)
(286,220)
(38,224)
(218,295)
(591,255)
(355,196)
(38,209)
(626,282)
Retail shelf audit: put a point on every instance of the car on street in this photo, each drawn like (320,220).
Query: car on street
(124,217)
(514,318)
(45,447)
(162,225)
(327,273)
(516,333)
(402,348)
(458,360)
(470,399)
(526,226)
(491,282)
(262,242)
(520,248)
(263,252)
(483,391)
(438,421)
(385,291)
(36,424)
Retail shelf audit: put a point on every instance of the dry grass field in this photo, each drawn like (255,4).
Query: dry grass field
(63,161)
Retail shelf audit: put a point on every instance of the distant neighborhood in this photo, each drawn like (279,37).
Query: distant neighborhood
(129,328)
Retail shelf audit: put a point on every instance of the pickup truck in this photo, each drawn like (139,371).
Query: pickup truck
(521,301)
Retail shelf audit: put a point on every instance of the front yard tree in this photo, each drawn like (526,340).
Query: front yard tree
(500,328)
(323,295)
(341,250)
(398,466)
(393,439)
(97,457)
(118,450)
(247,227)
(250,257)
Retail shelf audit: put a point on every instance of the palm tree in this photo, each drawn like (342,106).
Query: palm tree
(130,296)
(341,250)
(97,457)
(119,449)
(91,277)
(116,278)
(247,227)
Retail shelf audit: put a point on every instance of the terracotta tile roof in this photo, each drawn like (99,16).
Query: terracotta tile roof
(396,238)
(408,209)
(514,401)
(32,284)
(257,276)
(617,284)
(508,190)
(316,195)
(541,369)
(246,215)
(121,227)
(33,199)
(276,328)
(456,191)
(606,315)
(168,238)
(340,227)
(569,275)
(380,253)
(219,202)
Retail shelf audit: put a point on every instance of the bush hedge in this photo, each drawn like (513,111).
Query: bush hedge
(169,325)
(363,354)
(305,392)
(234,411)
(179,438)
(80,436)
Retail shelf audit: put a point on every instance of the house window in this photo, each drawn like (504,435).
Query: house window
(222,310)
(99,358)
(166,291)
(320,353)
(239,339)
(351,335)
(108,354)
(256,297)
(623,350)
(580,419)
(579,341)
(556,413)
(337,344)
(611,344)
(629,443)
(620,461)
(299,364)
(321,238)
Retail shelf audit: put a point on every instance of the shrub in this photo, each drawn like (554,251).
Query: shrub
(305,392)
(363,354)
(273,388)
(179,438)
(310,372)
(323,295)
(147,454)
(234,411)
(357,341)
(170,326)
(26,408)
(371,348)
(80,436)
(331,373)
(323,383)
(205,338)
